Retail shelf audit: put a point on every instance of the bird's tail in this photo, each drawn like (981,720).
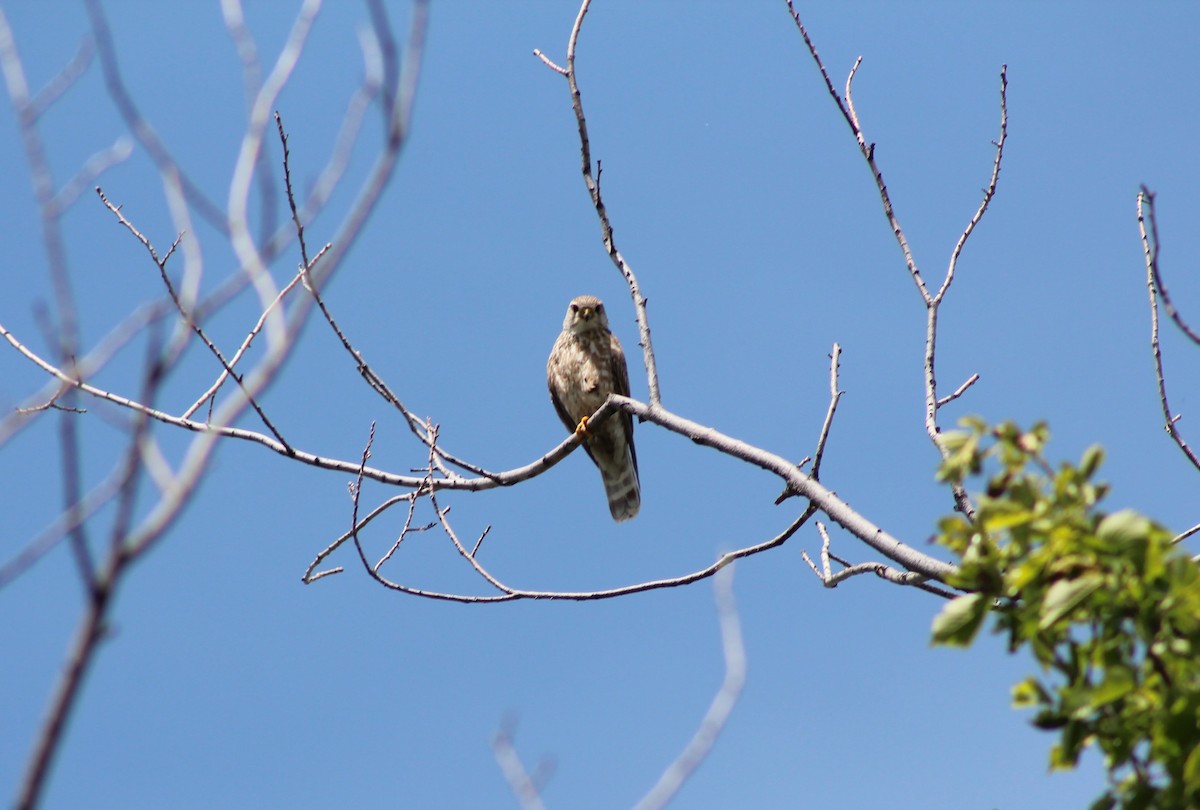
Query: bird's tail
(623,489)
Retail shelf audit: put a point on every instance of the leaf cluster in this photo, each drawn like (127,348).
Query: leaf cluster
(1108,606)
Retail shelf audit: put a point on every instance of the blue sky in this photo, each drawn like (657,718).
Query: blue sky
(740,200)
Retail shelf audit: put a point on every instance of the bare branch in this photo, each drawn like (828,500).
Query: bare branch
(509,593)
(548,63)
(228,366)
(988,192)
(897,577)
(932,302)
(53,390)
(1148,229)
(181,307)
(72,489)
(377,384)
(51,404)
(958,392)
(846,107)
(80,656)
(820,497)
(131,533)
(835,396)
(1152,247)
(309,576)
(1184,535)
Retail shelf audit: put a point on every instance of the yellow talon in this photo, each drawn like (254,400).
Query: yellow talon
(581,428)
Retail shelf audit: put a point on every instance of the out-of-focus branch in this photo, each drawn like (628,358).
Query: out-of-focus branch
(593,187)
(146,137)
(697,749)
(251,259)
(397,111)
(1148,228)
(138,522)
(523,786)
(733,651)
(247,51)
(64,80)
(49,215)
(102,587)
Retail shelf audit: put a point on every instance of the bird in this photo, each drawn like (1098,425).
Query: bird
(585,366)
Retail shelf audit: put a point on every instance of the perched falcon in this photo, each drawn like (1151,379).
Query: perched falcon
(585,366)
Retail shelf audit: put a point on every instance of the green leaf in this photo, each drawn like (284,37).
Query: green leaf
(1123,528)
(1117,684)
(1065,595)
(1028,693)
(960,620)
(1093,457)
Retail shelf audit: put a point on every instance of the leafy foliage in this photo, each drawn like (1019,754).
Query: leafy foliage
(1106,603)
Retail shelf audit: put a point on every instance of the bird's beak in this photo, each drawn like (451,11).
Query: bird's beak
(586,313)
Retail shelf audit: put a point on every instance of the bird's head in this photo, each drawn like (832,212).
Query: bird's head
(585,314)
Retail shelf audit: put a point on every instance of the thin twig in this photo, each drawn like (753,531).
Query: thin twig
(846,107)
(189,319)
(958,392)
(1148,229)
(1156,269)
(835,396)
(509,593)
(377,384)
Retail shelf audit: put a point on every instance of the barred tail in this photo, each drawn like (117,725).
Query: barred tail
(622,487)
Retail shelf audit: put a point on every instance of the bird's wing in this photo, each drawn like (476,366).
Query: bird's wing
(620,376)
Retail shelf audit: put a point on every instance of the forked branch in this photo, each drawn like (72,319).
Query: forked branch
(845,104)
(1148,228)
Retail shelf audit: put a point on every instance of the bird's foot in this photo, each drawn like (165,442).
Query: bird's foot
(581,428)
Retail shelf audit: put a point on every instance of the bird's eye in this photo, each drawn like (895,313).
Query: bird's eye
(574,307)
(599,307)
